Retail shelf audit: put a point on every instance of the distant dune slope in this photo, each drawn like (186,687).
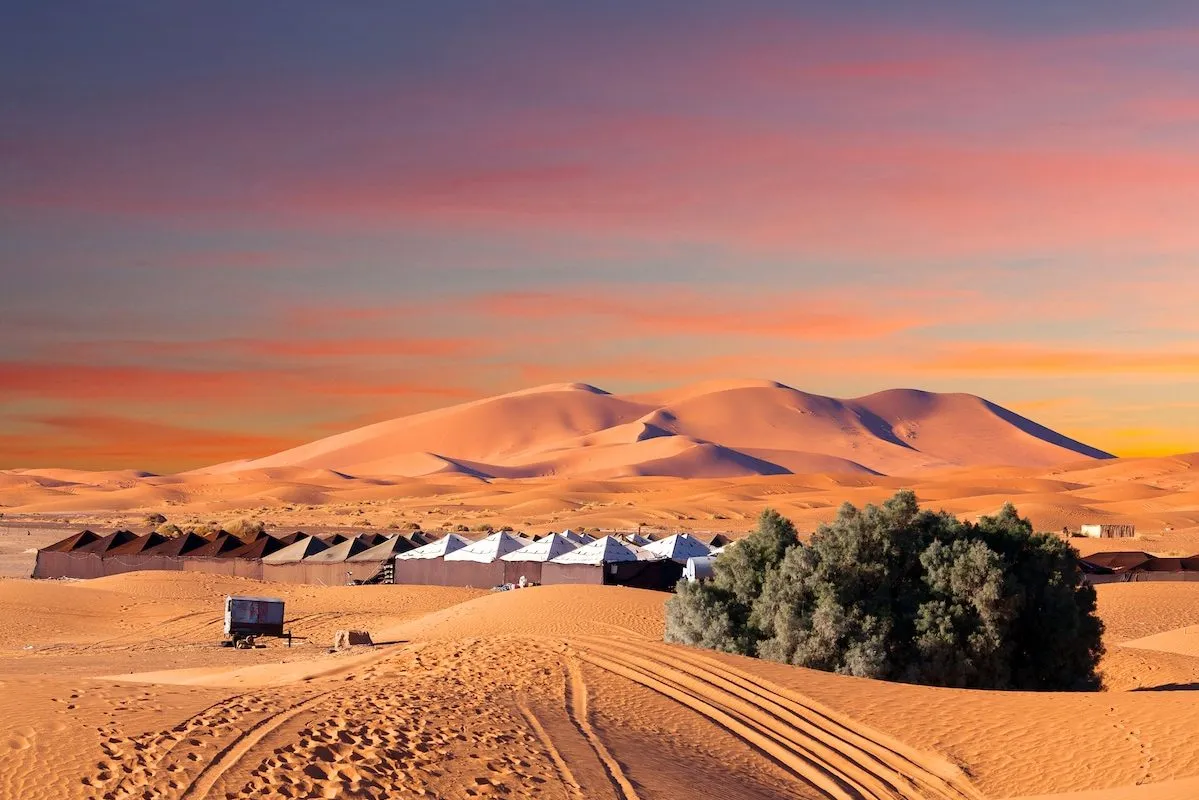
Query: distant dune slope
(730,429)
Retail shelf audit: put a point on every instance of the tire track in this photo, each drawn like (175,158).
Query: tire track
(568,778)
(842,759)
(237,749)
(576,710)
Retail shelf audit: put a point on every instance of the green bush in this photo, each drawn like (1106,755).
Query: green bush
(899,593)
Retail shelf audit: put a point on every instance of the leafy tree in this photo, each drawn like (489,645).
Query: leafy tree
(900,593)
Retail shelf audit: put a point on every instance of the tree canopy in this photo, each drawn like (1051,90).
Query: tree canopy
(899,593)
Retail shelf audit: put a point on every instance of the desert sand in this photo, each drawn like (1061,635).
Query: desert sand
(116,688)
(698,458)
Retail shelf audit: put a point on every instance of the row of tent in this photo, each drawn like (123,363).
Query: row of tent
(1135,565)
(414,558)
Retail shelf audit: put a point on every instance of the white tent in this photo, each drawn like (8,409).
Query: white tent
(679,547)
(636,539)
(487,550)
(699,568)
(544,549)
(608,550)
(578,538)
(436,549)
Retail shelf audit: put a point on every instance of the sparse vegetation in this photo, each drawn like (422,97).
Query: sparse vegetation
(899,593)
(152,521)
(168,529)
(245,528)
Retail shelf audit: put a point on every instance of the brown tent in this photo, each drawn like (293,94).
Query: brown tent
(72,542)
(420,538)
(1119,560)
(107,543)
(183,544)
(261,546)
(292,538)
(138,546)
(221,546)
(719,540)
(1161,565)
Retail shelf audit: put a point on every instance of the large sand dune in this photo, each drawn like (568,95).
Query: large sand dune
(712,430)
(115,688)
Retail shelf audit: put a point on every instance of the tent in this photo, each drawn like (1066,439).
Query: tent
(578,538)
(297,551)
(137,546)
(679,547)
(220,546)
(259,547)
(484,551)
(608,550)
(292,538)
(636,539)
(420,538)
(180,545)
(338,552)
(106,543)
(718,540)
(546,548)
(435,549)
(1120,559)
(381,552)
(72,542)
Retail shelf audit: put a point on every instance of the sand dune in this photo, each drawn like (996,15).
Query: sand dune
(555,692)
(726,429)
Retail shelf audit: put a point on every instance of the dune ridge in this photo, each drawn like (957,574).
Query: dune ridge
(722,429)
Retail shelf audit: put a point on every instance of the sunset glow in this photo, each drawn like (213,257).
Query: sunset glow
(219,239)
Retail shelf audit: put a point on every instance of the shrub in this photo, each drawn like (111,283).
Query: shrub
(152,521)
(899,593)
(168,529)
(245,528)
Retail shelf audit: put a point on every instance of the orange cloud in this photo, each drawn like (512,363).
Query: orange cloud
(1044,360)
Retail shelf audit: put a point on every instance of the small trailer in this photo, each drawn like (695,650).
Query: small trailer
(247,618)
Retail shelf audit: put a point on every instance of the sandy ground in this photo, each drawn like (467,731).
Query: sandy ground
(116,688)
(1159,495)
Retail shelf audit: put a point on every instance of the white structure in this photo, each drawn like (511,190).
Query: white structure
(699,569)
(679,547)
(487,550)
(1108,531)
(636,539)
(438,549)
(546,548)
(578,538)
(608,550)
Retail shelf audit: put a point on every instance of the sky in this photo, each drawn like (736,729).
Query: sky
(229,228)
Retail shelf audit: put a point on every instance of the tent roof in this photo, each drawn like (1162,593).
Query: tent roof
(179,545)
(437,548)
(139,545)
(679,547)
(486,550)
(258,548)
(1119,559)
(72,542)
(296,551)
(578,538)
(718,540)
(338,552)
(636,539)
(608,550)
(381,552)
(220,546)
(292,538)
(546,548)
(421,538)
(109,542)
